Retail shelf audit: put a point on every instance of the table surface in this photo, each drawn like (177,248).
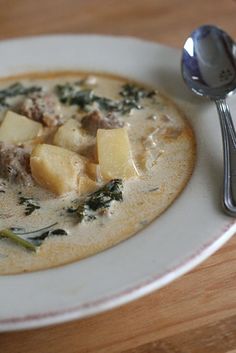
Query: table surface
(196,313)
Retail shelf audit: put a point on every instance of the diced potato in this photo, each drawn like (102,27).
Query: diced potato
(56,168)
(17,128)
(93,171)
(86,185)
(71,137)
(114,154)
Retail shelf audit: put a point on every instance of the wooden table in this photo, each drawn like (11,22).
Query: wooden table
(196,313)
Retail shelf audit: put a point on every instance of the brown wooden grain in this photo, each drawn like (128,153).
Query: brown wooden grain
(196,313)
(165,21)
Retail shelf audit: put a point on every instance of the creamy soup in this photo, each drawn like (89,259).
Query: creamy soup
(87,160)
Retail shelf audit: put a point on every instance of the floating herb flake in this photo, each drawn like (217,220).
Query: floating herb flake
(31,240)
(14,90)
(30,204)
(2,187)
(73,94)
(135,93)
(37,240)
(100,200)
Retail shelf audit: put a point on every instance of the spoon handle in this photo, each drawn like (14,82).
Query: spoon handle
(229,147)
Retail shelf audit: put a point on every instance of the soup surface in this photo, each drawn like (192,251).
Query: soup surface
(130,147)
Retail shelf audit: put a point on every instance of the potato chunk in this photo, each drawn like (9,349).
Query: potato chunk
(71,137)
(56,168)
(114,154)
(17,128)
(86,185)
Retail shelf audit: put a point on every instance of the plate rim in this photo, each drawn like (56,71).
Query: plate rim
(144,288)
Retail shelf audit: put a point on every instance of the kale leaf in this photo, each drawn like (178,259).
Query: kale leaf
(73,94)
(30,204)
(37,240)
(31,240)
(14,90)
(135,93)
(98,201)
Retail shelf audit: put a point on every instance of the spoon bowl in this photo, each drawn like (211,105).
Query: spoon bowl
(208,62)
(209,69)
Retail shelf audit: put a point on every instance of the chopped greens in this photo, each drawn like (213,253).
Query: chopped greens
(74,94)
(31,240)
(128,104)
(135,93)
(14,90)
(99,201)
(132,95)
(37,240)
(84,99)
(106,104)
(30,204)
(2,187)
(124,106)
(66,91)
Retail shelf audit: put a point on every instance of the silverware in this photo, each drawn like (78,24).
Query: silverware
(209,69)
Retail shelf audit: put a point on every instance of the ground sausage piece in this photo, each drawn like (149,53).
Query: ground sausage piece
(95,120)
(42,107)
(15,164)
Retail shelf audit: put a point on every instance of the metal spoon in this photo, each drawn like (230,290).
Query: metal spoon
(209,69)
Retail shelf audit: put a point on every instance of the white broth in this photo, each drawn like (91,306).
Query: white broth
(163,152)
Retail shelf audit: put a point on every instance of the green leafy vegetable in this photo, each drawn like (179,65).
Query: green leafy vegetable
(132,95)
(98,201)
(31,240)
(135,93)
(14,90)
(30,204)
(37,240)
(107,104)
(128,104)
(2,187)
(74,94)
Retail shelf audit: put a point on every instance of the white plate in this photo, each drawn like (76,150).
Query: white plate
(186,234)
